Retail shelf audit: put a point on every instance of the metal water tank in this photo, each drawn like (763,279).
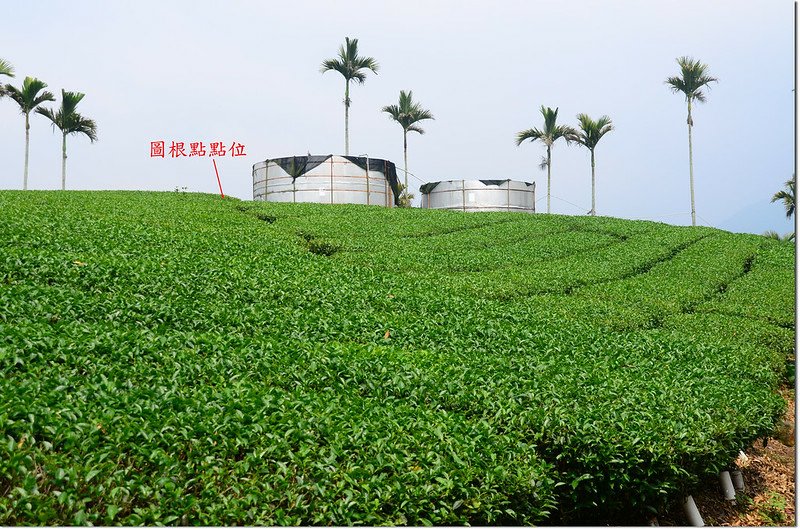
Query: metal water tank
(480,195)
(326,179)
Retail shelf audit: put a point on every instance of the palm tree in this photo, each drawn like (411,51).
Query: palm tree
(28,98)
(787,195)
(548,136)
(407,113)
(70,122)
(349,64)
(694,76)
(589,136)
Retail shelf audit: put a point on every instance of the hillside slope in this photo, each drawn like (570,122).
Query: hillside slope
(182,359)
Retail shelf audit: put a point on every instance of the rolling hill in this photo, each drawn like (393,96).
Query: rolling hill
(174,358)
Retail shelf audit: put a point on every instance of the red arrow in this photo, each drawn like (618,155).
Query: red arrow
(218,180)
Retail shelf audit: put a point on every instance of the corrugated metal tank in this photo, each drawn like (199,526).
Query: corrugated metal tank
(327,179)
(480,195)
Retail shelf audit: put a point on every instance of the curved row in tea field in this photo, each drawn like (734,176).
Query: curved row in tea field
(180,359)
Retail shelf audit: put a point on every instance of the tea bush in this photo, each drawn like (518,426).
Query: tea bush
(183,359)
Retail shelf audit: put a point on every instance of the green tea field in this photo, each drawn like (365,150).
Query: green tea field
(180,359)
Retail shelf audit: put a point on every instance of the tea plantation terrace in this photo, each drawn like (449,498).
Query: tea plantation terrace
(180,359)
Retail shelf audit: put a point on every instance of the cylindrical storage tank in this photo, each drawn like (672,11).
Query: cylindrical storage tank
(480,195)
(327,179)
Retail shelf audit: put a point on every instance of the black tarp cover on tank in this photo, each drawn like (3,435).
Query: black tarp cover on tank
(296,166)
(501,182)
(427,188)
(430,186)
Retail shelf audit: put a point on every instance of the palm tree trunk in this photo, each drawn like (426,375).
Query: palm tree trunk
(548,179)
(63,162)
(691,165)
(593,212)
(405,158)
(347,117)
(27,146)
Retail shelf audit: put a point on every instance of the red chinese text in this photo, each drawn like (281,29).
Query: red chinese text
(177,149)
(156,149)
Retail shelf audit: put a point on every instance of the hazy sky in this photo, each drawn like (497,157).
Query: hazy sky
(248,72)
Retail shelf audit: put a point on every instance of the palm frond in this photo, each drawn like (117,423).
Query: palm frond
(676,84)
(550,117)
(41,98)
(774,235)
(85,126)
(563,131)
(529,134)
(366,63)
(780,195)
(358,77)
(605,124)
(49,114)
(12,91)
(332,64)
(6,68)
(392,110)
(422,113)
(787,196)
(349,50)
(69,101)
(585,122)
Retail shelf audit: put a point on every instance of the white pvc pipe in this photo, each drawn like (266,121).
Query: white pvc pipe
(727,486)
(691,512)
(738,480)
